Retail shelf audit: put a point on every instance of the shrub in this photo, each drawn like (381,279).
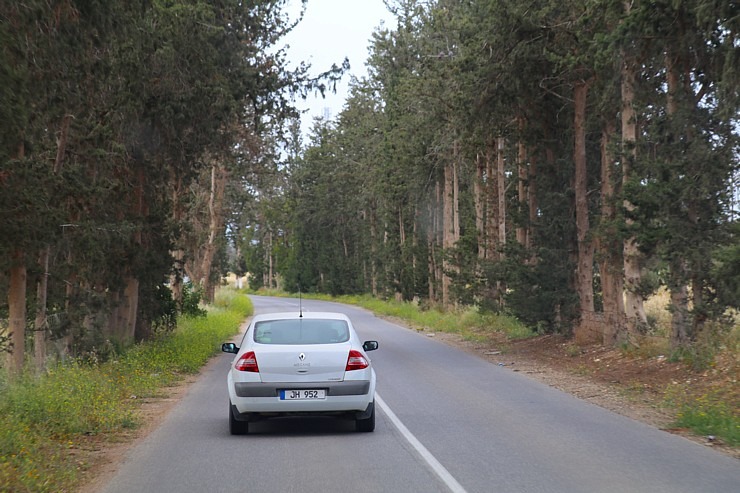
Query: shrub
(191,298)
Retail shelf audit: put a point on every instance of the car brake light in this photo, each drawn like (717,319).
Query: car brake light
(356,361)
(247,362)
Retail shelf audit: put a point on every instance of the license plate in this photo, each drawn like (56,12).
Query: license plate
(302,394)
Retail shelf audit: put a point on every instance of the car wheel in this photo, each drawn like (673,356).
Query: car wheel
(368,424)
(237,427)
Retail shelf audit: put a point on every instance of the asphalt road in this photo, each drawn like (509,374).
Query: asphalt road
(447,421)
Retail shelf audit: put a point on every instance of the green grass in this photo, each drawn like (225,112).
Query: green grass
(48,418)
(710,414)
(468,322)
(716,413)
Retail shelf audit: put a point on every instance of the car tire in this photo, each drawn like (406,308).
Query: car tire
(237,427)
(366,425)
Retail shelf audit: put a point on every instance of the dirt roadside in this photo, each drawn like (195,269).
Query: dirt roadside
(100,457)
(632,387)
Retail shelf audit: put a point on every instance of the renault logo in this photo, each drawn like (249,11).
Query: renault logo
(301,356)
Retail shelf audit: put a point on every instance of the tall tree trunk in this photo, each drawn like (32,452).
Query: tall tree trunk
(532,201)
(491,227)
(633,304)
(697,300)
(42,286)
(178,255)
(495,211)
(431,247)
(71,288)
(128,310)
(585,261)
(17,312)
(122,321)
(439,238)
(398,271)
(17,303)
(500,211)
(215,214)
(270,266)
(39,325)
(523,178)
(415,249)
(680,321)
(610,258)
(479,198)
(448,236)
(374,252)
(501,192)
(456,166)
(401,229)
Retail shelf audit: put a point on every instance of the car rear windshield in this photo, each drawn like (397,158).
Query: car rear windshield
(301,331)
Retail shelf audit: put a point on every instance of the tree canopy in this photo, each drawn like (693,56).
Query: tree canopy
(558,161)
(122,123)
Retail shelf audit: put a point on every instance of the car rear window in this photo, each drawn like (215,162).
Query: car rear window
(301,331)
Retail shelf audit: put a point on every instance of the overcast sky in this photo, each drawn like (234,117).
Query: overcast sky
(330,31)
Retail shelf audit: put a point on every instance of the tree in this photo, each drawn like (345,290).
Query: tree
(110,108)
(522,157)
(684,188)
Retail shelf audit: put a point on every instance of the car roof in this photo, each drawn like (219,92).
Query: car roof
(298,315)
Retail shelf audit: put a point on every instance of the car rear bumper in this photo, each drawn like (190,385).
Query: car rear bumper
(349,396)
(257,408)
(333,389)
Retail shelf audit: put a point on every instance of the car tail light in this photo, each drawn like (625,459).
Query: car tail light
(247,362)
(356,361)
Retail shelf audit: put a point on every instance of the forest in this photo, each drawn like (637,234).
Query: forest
(555,161)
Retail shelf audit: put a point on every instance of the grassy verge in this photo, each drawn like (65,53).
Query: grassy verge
(714,411)
(709,415)
(468,322)
(48,418)
(707,410)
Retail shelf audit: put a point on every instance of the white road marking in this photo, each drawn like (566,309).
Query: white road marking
(434,464)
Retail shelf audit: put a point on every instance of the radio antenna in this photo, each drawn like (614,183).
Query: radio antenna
(300,303)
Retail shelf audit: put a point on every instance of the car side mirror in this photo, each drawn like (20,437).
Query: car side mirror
(370,345)
(229,347)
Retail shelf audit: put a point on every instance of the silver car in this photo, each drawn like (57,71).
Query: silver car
(309,363)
